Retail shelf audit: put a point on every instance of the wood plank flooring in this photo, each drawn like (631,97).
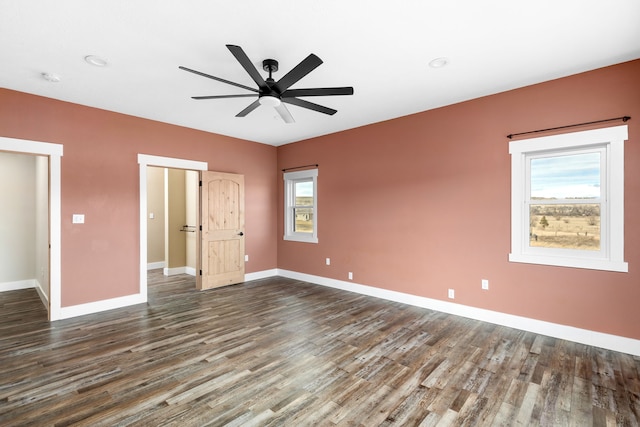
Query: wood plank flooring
(279,352)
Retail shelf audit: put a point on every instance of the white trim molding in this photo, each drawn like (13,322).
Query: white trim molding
(20,284)
(174,271)
(290,181)
(145,160)
(569,333)
(610,143)
(43,296)
(121,302)
(156,265)
(98,306)
(54,152)
(258,275)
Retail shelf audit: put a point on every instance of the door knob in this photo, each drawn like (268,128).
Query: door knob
(241,234)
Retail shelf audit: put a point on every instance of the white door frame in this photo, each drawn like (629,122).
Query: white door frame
(54,152)
(164,162)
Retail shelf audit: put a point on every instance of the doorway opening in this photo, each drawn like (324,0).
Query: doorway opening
(172,220)
(46,246)
(147,162)
(24,223)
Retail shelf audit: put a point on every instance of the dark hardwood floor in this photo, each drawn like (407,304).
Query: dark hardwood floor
(287,353)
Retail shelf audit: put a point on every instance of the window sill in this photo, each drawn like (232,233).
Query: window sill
(591,264)
(303,239)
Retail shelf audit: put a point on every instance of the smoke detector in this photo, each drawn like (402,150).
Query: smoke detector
(51,77)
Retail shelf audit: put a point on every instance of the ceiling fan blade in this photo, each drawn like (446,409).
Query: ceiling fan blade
(307,65)
(255,104)
(325,91)
(310,105)
(246,63)
(223,96)
(284,113)
(252,89)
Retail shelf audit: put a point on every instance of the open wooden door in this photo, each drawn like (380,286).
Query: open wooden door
(222,235)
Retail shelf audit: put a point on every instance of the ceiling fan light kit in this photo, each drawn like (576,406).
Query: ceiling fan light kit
(276,93)
(271,101)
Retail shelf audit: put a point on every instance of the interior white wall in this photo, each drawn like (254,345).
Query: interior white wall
(17,217)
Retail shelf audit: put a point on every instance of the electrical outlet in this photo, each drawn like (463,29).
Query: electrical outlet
(452,294)
(350,276)
(77,219)
(328,261)
(485,284)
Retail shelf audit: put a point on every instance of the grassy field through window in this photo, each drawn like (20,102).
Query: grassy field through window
(303,216)
(565,226)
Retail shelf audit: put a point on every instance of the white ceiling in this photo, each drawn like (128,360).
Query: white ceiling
(381,48)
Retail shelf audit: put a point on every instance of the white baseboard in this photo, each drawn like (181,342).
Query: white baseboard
(569,333)
(43,296)
(174,271)
(110,304)
(260,275)
(156,265)
(584,336)
(98,306)
(20,284)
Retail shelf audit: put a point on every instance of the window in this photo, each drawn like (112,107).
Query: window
(567,200)
(301,206)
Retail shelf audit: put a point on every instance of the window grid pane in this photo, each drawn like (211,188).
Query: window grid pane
(569,176)
(303,220)
(303,206)
(565,226)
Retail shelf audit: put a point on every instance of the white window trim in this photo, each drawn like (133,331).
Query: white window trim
(611,257)
(289,180)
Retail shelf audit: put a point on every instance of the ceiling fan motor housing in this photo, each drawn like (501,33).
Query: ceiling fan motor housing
(270,65)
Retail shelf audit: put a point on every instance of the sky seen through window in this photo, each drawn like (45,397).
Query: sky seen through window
(304,189)
(566,177)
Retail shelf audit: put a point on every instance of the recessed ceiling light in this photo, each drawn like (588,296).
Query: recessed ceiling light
(95,60)
(51,77)
(438,62)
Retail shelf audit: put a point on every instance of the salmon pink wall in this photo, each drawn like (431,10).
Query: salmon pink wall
(421,204)
(100,178)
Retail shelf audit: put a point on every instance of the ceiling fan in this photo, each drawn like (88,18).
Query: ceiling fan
(276,93)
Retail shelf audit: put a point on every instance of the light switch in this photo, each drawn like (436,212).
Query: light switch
(78,219)
(152,215)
